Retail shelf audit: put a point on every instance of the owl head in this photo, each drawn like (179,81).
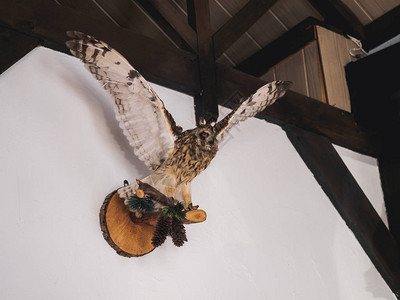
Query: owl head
(205,136)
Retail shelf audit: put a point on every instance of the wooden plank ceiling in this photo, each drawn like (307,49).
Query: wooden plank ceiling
(143,16)
(138,16)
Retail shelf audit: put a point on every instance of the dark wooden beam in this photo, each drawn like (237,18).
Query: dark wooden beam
(191,14)
(206,105)
(165,26)
(337,14)
(176,19)
(239,24)
(129,15)
(44,19)
(287,44)
(326,120)
(312,115)
(389,166)
(87,7)
(13,46)
(389,170)
(350,201)
(382,29)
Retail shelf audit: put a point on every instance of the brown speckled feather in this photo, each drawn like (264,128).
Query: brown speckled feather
(148,126)
(250,106)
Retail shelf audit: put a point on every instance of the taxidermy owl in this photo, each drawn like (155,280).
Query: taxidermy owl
(174,157)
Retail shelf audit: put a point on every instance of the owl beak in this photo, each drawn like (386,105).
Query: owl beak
(202,121)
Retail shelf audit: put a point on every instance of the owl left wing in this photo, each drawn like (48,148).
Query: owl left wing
(250,106)
(148,126)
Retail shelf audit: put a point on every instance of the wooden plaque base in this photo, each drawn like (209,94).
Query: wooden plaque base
(130,236)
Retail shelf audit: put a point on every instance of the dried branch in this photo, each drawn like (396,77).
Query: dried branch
(154,194)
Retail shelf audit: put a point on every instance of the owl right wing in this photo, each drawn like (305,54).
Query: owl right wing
(250,106)
(148,126)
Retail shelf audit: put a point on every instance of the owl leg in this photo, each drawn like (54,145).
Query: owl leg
(163,182)
(183,193)
(127,191)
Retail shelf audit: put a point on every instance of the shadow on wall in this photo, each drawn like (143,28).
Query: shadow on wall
(99,99)
(378,292)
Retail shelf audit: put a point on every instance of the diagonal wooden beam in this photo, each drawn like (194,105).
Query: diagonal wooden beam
(239,24)
(350,201)
(176,19)
(287,44)
(337,14)
(165,26)
(130,15)
(13,46)
(205,102)
(191,16)
(389,171)
(87,7)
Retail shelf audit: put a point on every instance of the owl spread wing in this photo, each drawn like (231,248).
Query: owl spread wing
(148,126)
(250,106)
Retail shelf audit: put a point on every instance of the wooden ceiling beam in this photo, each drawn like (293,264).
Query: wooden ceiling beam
(191,16)
(130,15)
(350,201)
(87,7)
(338,15)
(206,104)
(164,25)
(306,113)
(236,26)
(175,18)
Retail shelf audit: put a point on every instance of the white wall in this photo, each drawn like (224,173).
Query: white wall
(271,232)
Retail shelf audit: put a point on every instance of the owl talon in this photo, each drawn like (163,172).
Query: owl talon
(192,207)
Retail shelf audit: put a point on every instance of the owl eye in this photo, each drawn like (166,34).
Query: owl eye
(204,135)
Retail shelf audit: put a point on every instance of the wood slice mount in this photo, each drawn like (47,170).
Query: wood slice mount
(130,236)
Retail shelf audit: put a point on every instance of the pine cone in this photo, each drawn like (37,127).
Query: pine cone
(178,232)
(161,231)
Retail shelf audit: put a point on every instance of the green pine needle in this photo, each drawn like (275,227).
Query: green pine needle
(176,211)
(136,203)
